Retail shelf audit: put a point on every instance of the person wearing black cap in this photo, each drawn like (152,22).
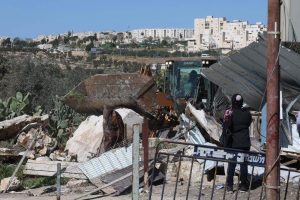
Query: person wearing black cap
(238,119)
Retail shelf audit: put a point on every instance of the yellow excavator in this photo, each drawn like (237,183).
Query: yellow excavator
(138,91)
(102,93)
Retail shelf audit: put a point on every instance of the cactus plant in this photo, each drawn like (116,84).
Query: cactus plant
(14,106)
(62,117)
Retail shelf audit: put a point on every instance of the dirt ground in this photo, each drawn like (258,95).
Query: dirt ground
(217,193)
(66,194)
(70,194)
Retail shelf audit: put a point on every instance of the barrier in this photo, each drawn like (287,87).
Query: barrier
(211,159)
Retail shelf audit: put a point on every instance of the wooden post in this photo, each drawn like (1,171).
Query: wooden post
(146,151)
(272,178)
(58,189)
(135,162)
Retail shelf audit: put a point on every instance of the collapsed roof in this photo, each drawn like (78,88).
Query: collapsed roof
(245,70)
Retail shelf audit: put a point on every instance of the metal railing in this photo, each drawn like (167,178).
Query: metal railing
(219,155)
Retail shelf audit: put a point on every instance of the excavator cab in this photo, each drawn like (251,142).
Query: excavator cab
(183,81)
(182,78)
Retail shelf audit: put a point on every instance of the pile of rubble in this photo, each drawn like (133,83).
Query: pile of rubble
(111,171)
(41,152)
(43,144)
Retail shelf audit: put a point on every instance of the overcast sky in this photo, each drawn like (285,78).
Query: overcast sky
(29,18)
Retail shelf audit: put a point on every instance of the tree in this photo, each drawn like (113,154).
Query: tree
(43,41)
(150,39)
(3,66)
(66,39)
(164,42)
(17,42)
(60,39)
(55,42)
(73,38)
(89,46)
(95,37)
(6,43)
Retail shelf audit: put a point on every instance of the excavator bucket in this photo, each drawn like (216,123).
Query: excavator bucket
(135,91)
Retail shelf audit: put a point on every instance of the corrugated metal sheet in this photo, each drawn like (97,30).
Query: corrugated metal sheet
(125,183)
(244,72)
(107,162)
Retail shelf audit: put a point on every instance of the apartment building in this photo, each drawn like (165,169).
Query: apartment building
(48,38)
(160,33)
(216,32)
(82,35)
(2,39)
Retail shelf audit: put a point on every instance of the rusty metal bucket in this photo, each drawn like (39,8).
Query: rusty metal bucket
(135,91)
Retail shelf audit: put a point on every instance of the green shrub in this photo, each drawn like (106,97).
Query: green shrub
(38,182)
(14,106)
(42,78)
(62,118)
(6,170)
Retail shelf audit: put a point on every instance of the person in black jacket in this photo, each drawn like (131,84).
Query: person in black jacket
(238,119)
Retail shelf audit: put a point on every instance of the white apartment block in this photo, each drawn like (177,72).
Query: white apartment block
(45,46)
(48,38)
(2,39)
(82,35)
(216,32)
(160,33)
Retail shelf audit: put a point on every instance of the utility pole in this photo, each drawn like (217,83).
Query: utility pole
(272,176)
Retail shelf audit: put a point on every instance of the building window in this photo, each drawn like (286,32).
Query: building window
(206,25)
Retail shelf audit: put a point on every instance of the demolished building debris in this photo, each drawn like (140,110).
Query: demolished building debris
(49,168)
(10,128)
(111,170)
(244,72)
(87,139)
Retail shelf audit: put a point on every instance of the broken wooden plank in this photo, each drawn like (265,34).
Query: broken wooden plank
(10,128)
(116,180)
(45,173)
(95,196)
(69,167)
(49,168)
(8,152)
(108,184)
(289,154)
(290,162)
(20,163)
(99,183)
(208,123)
